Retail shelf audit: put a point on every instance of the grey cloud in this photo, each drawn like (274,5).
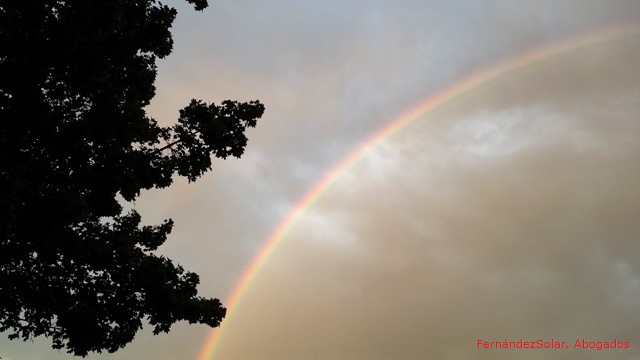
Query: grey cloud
(429,245)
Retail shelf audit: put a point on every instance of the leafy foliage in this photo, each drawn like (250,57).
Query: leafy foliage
(75,76)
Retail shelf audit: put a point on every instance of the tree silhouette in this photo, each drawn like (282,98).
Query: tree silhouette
(75,76)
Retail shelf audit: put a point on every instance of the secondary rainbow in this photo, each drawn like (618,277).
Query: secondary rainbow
(468,83)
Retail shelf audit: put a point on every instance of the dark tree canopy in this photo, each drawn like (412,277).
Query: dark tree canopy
(75,76)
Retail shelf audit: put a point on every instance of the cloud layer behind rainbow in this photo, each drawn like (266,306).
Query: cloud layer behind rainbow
(520,64)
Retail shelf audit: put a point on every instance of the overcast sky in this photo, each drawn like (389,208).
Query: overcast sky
(512,211)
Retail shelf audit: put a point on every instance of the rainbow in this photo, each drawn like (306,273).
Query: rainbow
(473,81)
